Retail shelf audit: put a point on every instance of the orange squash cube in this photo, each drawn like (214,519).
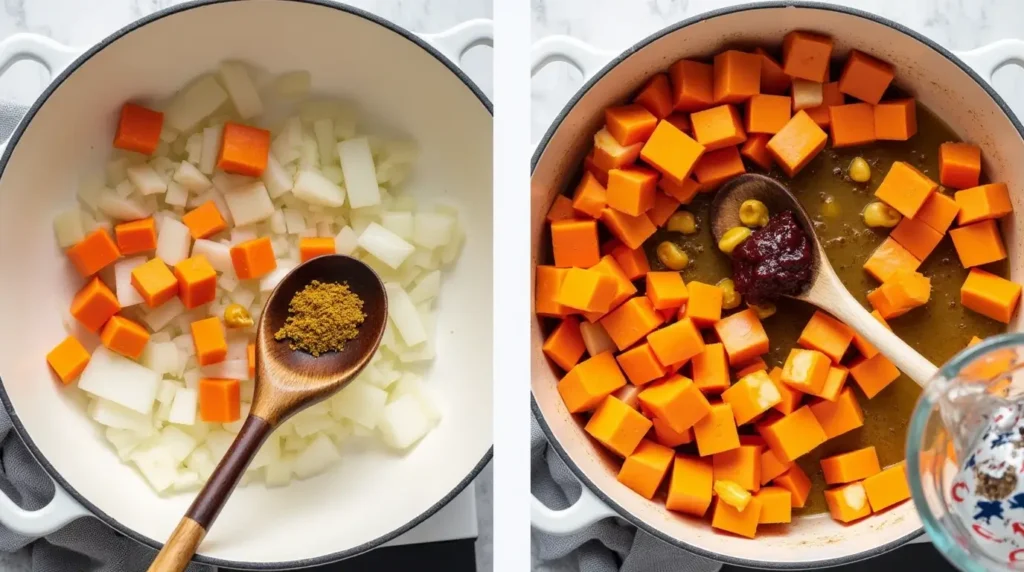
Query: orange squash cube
(608,154)
(873,374)
(93,253)
(624,288)
(586,290)
(564,345)
(677,401)
(849,467)
(244,150)
(830,97)
(630,124)
(848,502)
(806,55)
(737,76)
(742,523)
(890,258)
(690,486)
(717,167)
(310,247)
(561,209)
(219,400)
(138,129)
(668,437)
(676,343)
(827,335)
(209,340)
(718,127)
(776,505)
(896,120)
(656,96)
(641,365)
(990,295)
(806,370)
(834,383)
(632,261)
(631,189)
(865,77)
(984,202)
(741,465)
(631,321)
(793,435)
(255,259)
(839,416)
(136,236)
(716,432)
(68,359)
(632,231)
(743,336)
(852,124)
(917,237)
(959,165)
(692,85)
(711,369)
(574,243)
(645,469)
(771,465)
(124,336)
(155,282)
(768,113)
(204,221)
(888,487)
(751,396)
(664,207)
(94,304)
(756,150)
(905,189)
(666,290)
(773,79)
(671,152)
(796,481)
(590,196)
(548,281)
(797,143)
(617,426)
(589,382)
(197,281)
(704,307)
(791,398)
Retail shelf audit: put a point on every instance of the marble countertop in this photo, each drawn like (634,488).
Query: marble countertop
(83,23)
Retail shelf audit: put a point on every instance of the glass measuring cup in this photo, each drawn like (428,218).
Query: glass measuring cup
(965,456)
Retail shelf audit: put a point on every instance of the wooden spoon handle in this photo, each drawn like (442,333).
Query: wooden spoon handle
(182,545)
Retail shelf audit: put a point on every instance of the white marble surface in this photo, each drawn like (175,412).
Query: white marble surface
(85,22)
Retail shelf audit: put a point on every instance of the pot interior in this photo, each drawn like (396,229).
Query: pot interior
(371,494)
(935,80)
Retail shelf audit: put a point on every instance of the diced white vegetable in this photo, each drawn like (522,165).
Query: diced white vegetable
(241,89)
(161,357)
(229,181)
(346,241)
(67,225)
(425,259)
(159,337)
(183,407)
(157,318)
(270,452)
(173,242)
(277,224)
(191,177)
(294,221)
(359,402)
(218,442)
(177,443)
(195,103)
(177,195)
(285,146)
(120,208)
(314,188)
(120,380)
(360,176)
(309,155)
(124,189)
(385,245)
(186,481)
(271,280)
(227,369)
(111,414)
(156,465)
(319,455)
(423,351)
(276,178)
(194,148)
(243,297)
(210,148)
(402,312)
(431,230)
(126,440)
(292,85)
(309,426)
(279,474)
(333,173)
(217,254)
(202,461)
(191,378)
(249,204)
(323,132)
(427,288)
(595,338)
(398,222)
(404,422)
(165,392)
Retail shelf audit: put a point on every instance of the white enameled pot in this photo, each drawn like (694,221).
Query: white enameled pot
(409,82)
(954,86)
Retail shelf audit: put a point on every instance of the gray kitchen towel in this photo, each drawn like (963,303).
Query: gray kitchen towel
(606,546)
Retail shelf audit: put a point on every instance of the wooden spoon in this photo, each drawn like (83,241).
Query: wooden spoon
(287,381)
(825,289)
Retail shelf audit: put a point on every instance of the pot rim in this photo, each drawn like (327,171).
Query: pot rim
(19,428)
(542,146)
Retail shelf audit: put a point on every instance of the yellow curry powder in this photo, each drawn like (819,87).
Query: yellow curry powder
(322,317)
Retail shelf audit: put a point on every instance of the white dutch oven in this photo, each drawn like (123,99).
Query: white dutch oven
(410,83)
(955,87)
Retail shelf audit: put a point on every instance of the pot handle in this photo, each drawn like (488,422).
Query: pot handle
(454,42)
(53,55)
(584,512)
(577,53)
(989,58)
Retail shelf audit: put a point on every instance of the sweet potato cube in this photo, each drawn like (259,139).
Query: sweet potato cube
(873,374)
(806,55)
(839,416)
(549,280)
(718,127)
(751,396)
(244,150)
(848,502)
(938,212)
(589,382)
(666,290)
(671,152)
(797,143)
(827,335)
(311,247)
(890,258)
(93,253)
(806,370)
(756,365)
(210,342)
(155,282)
(591,167)
(561,209)
(771,466)
(68,359)
(756,150)
(717,167)
(574,243)
(808,95)
(617,426)
(645,469)
(905,189)
(631,190)
(852,124)
(793,435)
(204,221)
(665,205)
(743,336)
(917,237)
(887,487)
(124,336)
(586,290)
(138,129)
(704,307)
(834,383)
(656,96)
(716,431)
(255,259)
(768,113)
(830,96)
(608,154)
(631,321)
(865,77)
(632,261)
(632,231)
(959,165)
(983,203)
(742,523)
(690,486)
(796,481)
(902,292)
(773,79)
(849,467)
(564,345)
(641,365)
(896,120)
(668,437)
(711,369)
(978,243)
(624,289)
(677,401)
(629,124)
(990,295)
(737,76)
(219,400)
(94,304)
(682,192)
(136,236)
(776,505)
(197,281)
(741,465)
(692,85)
(791,398)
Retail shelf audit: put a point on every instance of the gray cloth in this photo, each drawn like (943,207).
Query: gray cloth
(607,545)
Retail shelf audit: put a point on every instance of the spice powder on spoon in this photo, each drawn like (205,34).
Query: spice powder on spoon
(322,317)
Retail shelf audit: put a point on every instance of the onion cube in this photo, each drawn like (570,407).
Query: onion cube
(404,422)
(201,461)
(158,318)
(279,474)
(241,89)
(67,225)
(125,440)
(398,222)
(320,454)
(121,208)
(292,85)
(270,452)
(210,148)
(217,254)
(323,132)
(156,465)
(177,195)
(173,241)
(183,406)
(346,241)
(427,288)
(431,230)
(190,177)
(359,402)
(194,148)
(227,369)
(385,245)
(239,235)
(120,380)
(315,189)
(277,224)
(161,357)
(276,178)
(218,442)
(111,414)
(360,174)
(146,179)
(249,204)
(127,295)
(186,481)
(195,103)
(402,312)
(271,280)
(178,444)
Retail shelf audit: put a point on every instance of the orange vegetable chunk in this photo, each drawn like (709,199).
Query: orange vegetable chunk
(865,77)
(768,113)
(574,243)
(631,189)
(716,432)
(776,505)
(676,401)
(671,152)
(666,290)
(978,243)
(771,466)
(681,121)
(561,208)
(741,465)
(887,487)
(718,127)
(632,261)
(806,370)
(138,129)
(219,400)
(830,96)
(564,345)
(692,85)
(710,369)
(717,167)
(311,247)
(905,189)
(549,280)
(668,437)
(618,426)
(197,281)
(209,340)
(586,290)
(852,124)
(591,167)
(839,416)
(251,355)
(124,336)
(656,96)
(983,203)
(590,196)
(990,295)
(791,398)
(632,231)
(796,481)
(136,236)
(737,76)
(665,205)
(756,150)
(938,212)
(773,79)
(890,258)
(93,253)
(873,374)
(806,55)
(682,192)
(959,165)
(255,258)
(835,382)
(204,221)
(749,368)
(631,321)
(623,287)
(896,120)
(645,469)
(848,502)
(608,154)
(743,336)
(629,124)
(690,486)
(94,304)
(793,435)
(243,150)
(155,282)
(797,143)
(917,237)
(751,396)
(902,292)
(827,335)
(589,382)
(849,467)
(742,523)
(641,365)
(68,359)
